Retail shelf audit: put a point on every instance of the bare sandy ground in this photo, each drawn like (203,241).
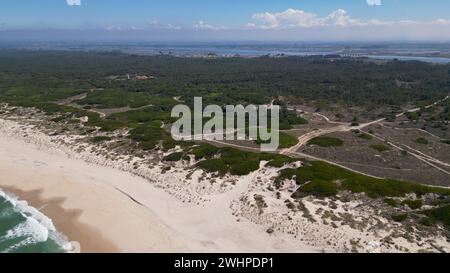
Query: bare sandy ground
(107,210)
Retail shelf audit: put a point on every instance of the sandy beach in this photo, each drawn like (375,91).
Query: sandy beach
(83,202)
(118,202)
(107,210)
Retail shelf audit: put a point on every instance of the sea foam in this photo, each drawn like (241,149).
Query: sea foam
(36,228)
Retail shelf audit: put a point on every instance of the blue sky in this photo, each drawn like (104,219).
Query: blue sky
(234,19)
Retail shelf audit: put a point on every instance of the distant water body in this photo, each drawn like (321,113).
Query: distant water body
(24,229)
(439,60)
(261,51)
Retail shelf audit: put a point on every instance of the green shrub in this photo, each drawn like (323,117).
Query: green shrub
(439,215)
(279,161)
(238,162)
(287,141)
(144,115)
(446,141)
(426,221)
(244,168)
(422,141)
(98,139)
(213,165)
(174,157)
(356,183)
(365,136)
(326,142)
(169,144)
(148,145)
(413,116)
(149,135)
(204,151)
(121,98)
(320,188)
(380,148)
(391,202)
(413,204)
(399,217)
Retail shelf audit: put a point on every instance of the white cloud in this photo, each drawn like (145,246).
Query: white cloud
(441,22)
(293,18)
(157,25)
(74,2)
(202,25)
(374,2)
(121,28)
(339,18)
(288,18)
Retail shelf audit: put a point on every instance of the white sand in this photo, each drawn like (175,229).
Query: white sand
(113,202)
(107,219)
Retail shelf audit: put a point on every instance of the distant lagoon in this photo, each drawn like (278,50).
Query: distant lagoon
(407,52)
(258,52)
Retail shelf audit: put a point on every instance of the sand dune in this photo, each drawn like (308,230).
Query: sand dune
(107,210)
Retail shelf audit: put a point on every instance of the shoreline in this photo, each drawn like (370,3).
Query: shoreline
(82,206)
(65,222)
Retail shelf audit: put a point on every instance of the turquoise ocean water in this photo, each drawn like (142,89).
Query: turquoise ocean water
(24,229)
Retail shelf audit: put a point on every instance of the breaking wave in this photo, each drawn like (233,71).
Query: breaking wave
(24,228)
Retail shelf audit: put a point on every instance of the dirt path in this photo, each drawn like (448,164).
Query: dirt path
(304,139)
(415,153)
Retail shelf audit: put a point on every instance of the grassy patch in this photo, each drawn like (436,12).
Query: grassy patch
(94,119)
(426,221)
(149,135)
(287,141)
(279,161)
(390,202)
(244,168)
(120,98)
(326,142)
(446,141)
(99,139)
(413,204)
(380,148)
(422,141)
(356,183)
(321,188)
(441,215)
(204,151)
(213,165)
(399,217)
(235,161)
(148,114)
(365,136)
(174,157)
(414,116)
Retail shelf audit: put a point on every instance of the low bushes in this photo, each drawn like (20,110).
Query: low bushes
(326,142)
(380,148)
(413,204)
(399,217)
(99,139)
(213,165)
(422,141)
(441,215)
(356,183)
(174,157)
(234,161)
